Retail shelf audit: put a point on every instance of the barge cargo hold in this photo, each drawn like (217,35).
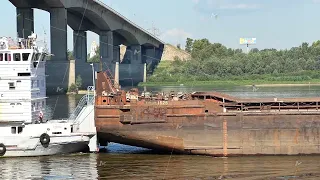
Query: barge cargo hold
(208,123)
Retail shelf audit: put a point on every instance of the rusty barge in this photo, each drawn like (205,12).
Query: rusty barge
(208,123)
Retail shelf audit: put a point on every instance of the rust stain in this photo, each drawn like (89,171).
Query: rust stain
(296,137)
(276,138)
(225,138)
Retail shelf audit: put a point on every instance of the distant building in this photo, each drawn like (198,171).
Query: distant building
(93,49)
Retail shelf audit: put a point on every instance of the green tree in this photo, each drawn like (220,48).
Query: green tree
(95,58)
(78,81)
(73,88)
(70,55)
(213,61)
(189,44)
(254,50)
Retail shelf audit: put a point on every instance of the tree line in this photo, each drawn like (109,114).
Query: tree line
(214,61)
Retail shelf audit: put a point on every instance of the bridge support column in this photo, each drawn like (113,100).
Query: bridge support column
(25,22)
(152,57)
(106,50)
(58,29)
(116,53)
(133,72)
(83,68)
(80,45)
(159,52)
(58,67)
(135,54)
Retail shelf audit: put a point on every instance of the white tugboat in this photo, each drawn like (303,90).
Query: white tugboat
(22,103)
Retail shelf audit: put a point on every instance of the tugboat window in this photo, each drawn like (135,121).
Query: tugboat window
(35,64)
(43,57)
(16,57)
(13,130)
(11,85)
(20,130)
(7,57)
(1,57)
(25,56)
(37,57)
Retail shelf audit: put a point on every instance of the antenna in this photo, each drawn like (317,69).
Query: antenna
(155,31)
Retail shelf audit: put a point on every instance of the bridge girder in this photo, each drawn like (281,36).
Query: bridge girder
(97,17)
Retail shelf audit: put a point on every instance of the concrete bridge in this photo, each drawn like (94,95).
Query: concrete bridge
(89,15)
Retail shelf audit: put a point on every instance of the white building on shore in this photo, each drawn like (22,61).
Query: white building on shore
(93,49)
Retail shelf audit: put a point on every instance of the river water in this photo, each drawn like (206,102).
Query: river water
(126,162)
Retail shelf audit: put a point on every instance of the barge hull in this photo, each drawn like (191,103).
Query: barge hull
(208,123)
(221,135)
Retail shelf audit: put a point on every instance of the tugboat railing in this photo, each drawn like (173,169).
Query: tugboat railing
(87,99)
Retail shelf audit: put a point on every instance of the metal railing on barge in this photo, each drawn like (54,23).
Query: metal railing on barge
(261,105)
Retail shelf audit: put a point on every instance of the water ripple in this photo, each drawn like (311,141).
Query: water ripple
(153,166)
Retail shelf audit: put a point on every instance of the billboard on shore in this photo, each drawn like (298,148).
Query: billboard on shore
(248,41)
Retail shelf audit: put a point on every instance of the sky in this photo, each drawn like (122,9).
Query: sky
(279,24)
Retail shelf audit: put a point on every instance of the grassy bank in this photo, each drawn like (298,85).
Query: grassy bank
(261,83)
(167,73)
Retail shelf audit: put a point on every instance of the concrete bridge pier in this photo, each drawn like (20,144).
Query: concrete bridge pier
(134,53)
(58,67)
(25,22)
(152,57)
(158,56)
(83,68)
(159,52)
(58,33)
(116,54)
(106,50)
(132,71)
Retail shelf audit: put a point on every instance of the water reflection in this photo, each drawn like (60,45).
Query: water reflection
(123,162)
(80,166)
(60,106)
(151,166)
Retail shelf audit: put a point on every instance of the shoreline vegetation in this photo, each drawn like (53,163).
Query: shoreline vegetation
(249,83)
(212,64)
